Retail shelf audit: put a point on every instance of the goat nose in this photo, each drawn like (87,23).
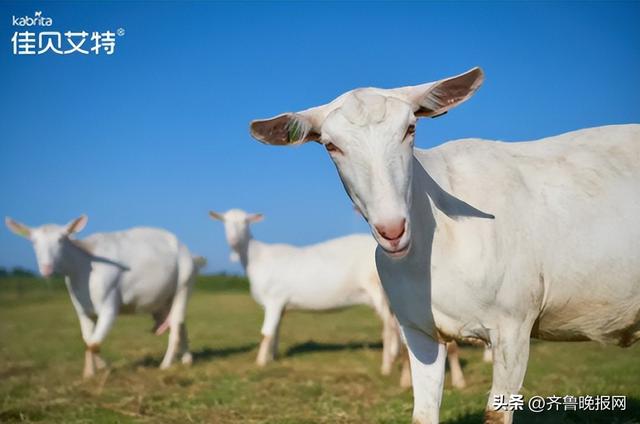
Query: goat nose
(391,231)
(46,270)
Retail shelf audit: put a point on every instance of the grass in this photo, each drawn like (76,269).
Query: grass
(327,372)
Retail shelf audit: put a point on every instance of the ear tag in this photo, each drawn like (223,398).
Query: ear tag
(294,132)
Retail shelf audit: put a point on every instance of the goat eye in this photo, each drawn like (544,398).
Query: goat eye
(411,130)
(332,148)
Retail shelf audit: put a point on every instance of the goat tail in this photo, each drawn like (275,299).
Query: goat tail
(188,267)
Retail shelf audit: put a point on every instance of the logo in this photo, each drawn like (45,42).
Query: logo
(28,21)
(30,41)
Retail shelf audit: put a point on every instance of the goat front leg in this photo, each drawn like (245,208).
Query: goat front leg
(92,359)
(427,358)
(89,370)
(87,326)
(106,318)
(270,329)
(510,344)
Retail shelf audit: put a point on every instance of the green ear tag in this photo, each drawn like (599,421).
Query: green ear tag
(294,132)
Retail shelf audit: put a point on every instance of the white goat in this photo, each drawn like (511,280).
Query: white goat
(138,270)
(560,261)
(330,275)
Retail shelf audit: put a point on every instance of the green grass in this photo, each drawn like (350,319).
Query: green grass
(327,372)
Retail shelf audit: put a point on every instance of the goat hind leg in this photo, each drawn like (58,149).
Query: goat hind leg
(457,377)
(390,344)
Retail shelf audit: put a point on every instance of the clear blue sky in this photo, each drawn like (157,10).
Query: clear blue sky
(157,133)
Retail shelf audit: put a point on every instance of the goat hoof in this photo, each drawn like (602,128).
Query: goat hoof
(100,363)
(262,362)
(187,359)
(459,384)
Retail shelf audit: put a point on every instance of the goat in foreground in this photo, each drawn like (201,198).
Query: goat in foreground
(137,270)
(481,239)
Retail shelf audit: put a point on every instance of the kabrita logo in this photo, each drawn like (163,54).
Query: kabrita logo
(36,20)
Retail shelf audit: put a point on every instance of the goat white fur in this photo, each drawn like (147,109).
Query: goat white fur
(133,271)
(560,261)
(331,275)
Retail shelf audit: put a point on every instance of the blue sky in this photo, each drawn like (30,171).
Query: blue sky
(156,134)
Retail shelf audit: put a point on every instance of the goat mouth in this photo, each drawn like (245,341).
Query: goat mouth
(397,253)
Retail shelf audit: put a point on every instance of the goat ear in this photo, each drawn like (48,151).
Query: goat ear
(284,130)
(290,128)
(436,98)
(17,227)
(217,216)
(77,224)
(255,217)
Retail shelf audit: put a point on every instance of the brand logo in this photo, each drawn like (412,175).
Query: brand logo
(28,21)
(30,40)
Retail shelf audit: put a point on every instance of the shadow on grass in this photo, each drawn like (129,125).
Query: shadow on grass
(311,346)
(203,355)
(207,353)
(631,415)
(20,415)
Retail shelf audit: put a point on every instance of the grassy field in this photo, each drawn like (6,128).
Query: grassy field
(327,371)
